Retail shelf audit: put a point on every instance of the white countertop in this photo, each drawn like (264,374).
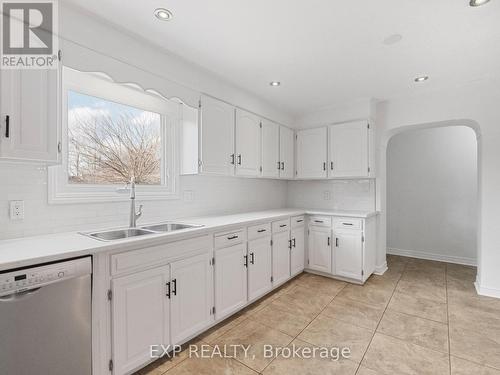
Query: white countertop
(52,247)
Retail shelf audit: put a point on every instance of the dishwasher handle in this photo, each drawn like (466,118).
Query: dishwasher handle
(19,295)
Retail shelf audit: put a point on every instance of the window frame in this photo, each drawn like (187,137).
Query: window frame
(101,86)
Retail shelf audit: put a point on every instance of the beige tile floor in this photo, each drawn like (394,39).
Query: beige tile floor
(420,317)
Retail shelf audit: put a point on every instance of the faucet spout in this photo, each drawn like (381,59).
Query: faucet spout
(130,188)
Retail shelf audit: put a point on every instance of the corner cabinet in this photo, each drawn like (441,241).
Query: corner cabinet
(217,155)
(30,107)
(320,250)
(348,150)
(311,153)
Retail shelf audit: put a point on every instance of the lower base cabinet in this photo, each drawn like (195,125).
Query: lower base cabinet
(297,251)
(320,250)
(140,317)
(349,254)
(230,279)
(281,257)
(259,267)
(191,296)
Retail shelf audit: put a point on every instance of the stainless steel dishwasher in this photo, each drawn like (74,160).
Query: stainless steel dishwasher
(45,319)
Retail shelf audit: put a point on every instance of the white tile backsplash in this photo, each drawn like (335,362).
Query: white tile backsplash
(332,194)
(200,195)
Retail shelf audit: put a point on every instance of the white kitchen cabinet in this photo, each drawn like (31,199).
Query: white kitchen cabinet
(140,317)
(286,153)
(312,153)
(348,252)
(259,267)
(230,279)
(320,249)
(217,155)
(348,151)
(191,296)
(29,105)
(248,155)
(270,149)
(297,236)
(281,257)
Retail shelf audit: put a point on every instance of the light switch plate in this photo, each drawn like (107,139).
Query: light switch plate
(16,210)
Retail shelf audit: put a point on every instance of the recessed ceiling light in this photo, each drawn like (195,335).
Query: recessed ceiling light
(478,3)
(393,39)
(275,83)
(163,14)
(421,78)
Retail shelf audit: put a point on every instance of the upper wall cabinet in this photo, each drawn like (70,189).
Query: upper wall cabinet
(271,166)
(217,154)
(286,153)
(30,126)
(247,144)
(311,153)
(348,150)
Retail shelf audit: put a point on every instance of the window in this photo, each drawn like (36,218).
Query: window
(112,133)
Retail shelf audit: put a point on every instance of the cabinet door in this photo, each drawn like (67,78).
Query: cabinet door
(30,106)
(349,254)
(191,296)
(281,257)
(320,250)
(270,149)
(297,253)
(311,153)
(259,267)
(230,280)
(247,144)
(216,137)
(140,317)
(286,153)
(348,150)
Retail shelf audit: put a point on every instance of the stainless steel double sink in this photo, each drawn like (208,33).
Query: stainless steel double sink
(120,234)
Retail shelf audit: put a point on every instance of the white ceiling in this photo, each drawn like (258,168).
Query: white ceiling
(324,52)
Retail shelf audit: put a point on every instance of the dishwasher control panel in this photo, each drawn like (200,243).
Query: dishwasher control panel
(35,277)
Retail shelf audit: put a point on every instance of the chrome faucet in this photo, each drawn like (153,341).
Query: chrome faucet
(133,214)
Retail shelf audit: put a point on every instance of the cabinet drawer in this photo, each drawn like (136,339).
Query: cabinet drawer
(281,226)
(320,221)
(155,255)
(348,223)
(260,230)
(229,238)
(298,221)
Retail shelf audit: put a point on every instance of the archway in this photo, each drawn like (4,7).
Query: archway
(381,198)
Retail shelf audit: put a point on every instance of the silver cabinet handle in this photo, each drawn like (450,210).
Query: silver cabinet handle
(232,159)
(279,166)
(252,258)
(324,166)
(347,224)
(261,230)
(331,165)
(282,165)
(239,159)
(232,237)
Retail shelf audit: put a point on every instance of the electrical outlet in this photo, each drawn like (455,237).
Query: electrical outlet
(16,210)
(327,195)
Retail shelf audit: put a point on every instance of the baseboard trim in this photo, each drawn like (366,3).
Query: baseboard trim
(488,292)
(431,256)
(380,270)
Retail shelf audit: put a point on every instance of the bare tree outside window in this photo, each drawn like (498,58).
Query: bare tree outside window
(109,143)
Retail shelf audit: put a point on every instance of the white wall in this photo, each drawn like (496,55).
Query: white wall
(332,194)
(432,194)
(475,105)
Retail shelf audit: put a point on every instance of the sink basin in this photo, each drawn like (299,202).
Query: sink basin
(169,227)
(119,234)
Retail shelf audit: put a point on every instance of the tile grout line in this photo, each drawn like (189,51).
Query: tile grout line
(313,319)
(382,317)
(448,316)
